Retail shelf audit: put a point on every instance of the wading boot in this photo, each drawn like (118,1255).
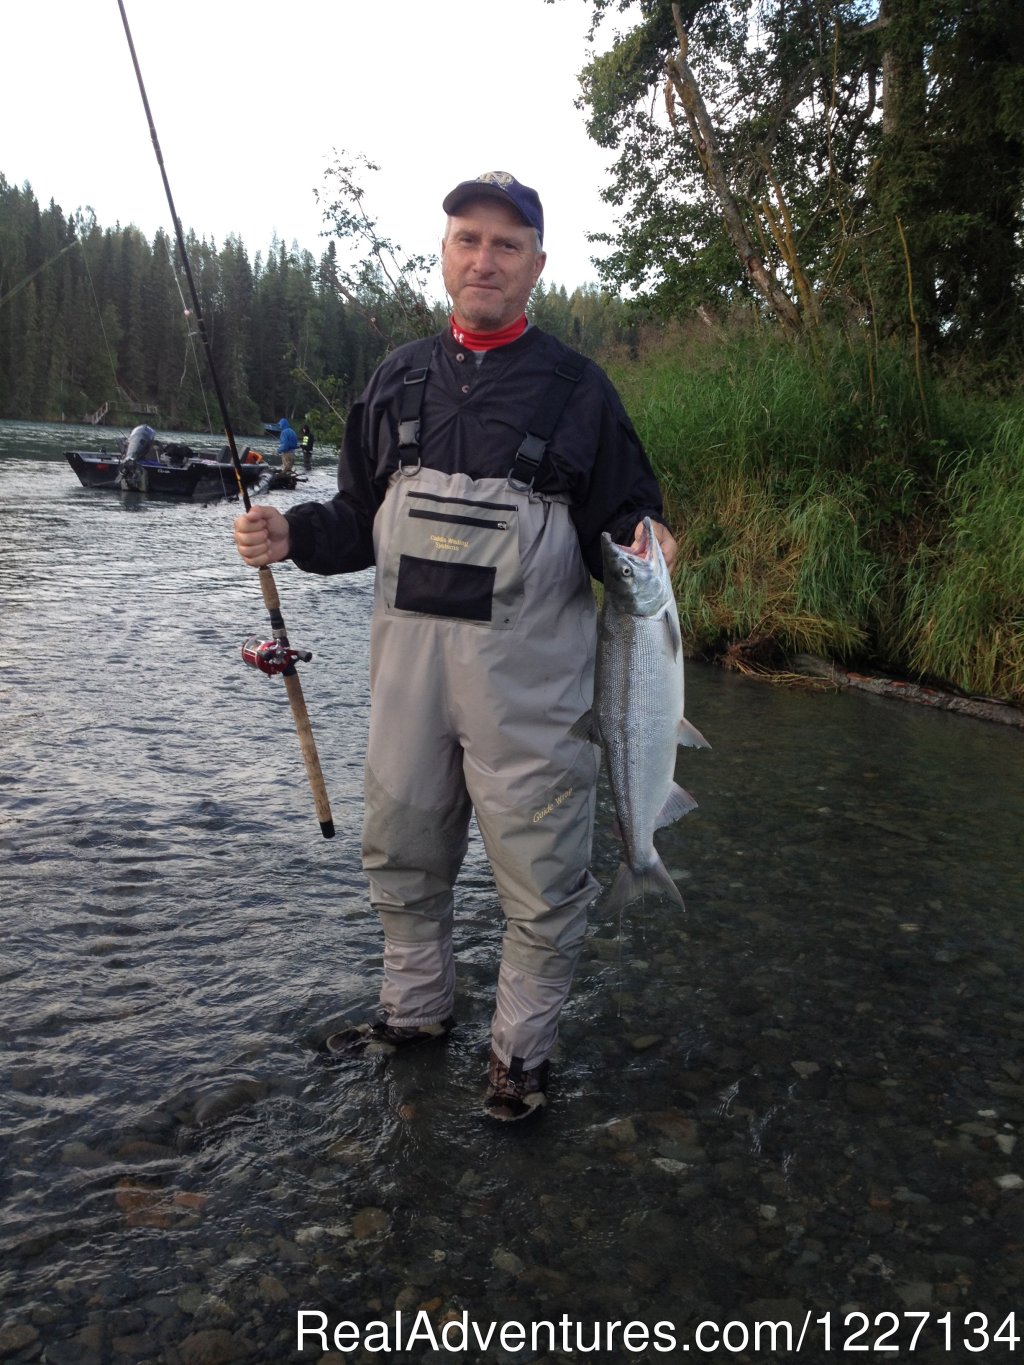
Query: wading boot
(514,1093)
(382,1038)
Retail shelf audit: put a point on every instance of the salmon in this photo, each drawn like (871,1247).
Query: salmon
(638,710)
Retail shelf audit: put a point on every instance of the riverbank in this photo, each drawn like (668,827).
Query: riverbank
(830,499)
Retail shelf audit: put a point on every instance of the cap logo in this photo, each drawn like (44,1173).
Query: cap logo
(505,187)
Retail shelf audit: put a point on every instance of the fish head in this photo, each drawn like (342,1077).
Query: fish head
(636,581)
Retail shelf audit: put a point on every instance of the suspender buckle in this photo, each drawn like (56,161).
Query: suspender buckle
(409,421)
(527,462)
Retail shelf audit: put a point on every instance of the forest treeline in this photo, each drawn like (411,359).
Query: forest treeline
(93,315)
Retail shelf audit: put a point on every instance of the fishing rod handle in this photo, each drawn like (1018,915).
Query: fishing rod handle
(300,715)
(309,754)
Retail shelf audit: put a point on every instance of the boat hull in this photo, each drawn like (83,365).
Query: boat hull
(195,478)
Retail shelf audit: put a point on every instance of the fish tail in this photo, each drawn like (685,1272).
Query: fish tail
(629,886)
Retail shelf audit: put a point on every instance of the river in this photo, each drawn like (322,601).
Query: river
(798,1103)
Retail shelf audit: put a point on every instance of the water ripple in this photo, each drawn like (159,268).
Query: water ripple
(808,1089)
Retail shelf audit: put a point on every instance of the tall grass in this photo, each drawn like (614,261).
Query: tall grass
(826,500)
(963,602)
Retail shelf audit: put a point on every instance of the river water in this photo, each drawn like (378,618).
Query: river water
(798,1103)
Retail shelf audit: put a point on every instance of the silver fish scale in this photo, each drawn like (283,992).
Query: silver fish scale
(638,705)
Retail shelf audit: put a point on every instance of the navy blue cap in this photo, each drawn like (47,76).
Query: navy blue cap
(506,189)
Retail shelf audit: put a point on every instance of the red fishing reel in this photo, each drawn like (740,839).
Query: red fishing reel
(271,656)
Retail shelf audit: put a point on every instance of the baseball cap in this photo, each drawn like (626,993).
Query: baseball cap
(506,189)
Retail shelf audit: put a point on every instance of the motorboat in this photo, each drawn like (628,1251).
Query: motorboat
(167,469)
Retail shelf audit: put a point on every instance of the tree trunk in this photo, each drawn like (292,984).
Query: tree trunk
(702,131)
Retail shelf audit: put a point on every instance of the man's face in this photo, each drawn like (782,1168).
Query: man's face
(490,263)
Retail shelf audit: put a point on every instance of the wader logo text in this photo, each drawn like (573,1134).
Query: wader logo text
(552,805)
(448,543)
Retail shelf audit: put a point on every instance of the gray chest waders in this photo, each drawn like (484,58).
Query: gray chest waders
(482,656)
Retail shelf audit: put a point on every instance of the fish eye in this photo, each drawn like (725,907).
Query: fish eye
(627,572)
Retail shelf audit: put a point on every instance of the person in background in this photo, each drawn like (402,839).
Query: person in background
(306,444)
(478,471)
(287,443)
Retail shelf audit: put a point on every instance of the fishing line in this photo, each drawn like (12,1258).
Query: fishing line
(99,314)
(190,340)
(286,656)
(15,289)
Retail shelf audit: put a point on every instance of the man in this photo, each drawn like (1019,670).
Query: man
(286,445)
(306,444)
(477,472)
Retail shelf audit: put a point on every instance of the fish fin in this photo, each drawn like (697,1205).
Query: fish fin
(675,637)
(691,736)
(677,803)
(585,728)
(629,886)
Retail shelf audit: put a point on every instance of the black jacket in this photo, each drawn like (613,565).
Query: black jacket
(475,412)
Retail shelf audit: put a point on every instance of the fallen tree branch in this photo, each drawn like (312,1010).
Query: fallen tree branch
(981,708)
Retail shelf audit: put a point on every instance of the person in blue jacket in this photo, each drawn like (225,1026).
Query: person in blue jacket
(287,444)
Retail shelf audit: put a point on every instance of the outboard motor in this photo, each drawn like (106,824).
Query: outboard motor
(132,475)
(139,443)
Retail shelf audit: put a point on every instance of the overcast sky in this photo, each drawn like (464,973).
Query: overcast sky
(252,99)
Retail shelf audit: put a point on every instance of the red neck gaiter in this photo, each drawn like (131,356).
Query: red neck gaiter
(487,341)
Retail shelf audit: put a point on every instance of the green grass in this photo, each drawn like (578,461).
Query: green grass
(963,600)
(827,501)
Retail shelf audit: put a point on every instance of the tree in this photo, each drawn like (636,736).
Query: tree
(818,157)
(384,282)
(950,166)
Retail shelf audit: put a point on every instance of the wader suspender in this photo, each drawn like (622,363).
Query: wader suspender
(412,398)
(538,432)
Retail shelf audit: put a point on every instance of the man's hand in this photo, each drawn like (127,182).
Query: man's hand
(664,537)
(262,536)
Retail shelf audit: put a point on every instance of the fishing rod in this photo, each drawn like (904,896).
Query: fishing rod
(278,656)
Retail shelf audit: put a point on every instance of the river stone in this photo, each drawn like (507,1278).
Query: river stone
(980,1130)
(369,1222)
(621,1133)
(15,1336)
(141,1149)
(213,1309)
(670,1167)
(272,1290)
(190,1298)
(90,1338)
(80,1154)
(507,1262)
(408,1298)
(645,1041)
(215,1346)
(916,1294)
(806,1069)
(137,1346)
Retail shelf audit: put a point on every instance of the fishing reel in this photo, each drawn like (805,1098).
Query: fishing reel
(271,656)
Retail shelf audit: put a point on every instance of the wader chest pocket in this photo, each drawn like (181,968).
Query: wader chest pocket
(457,558)
(465,591)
